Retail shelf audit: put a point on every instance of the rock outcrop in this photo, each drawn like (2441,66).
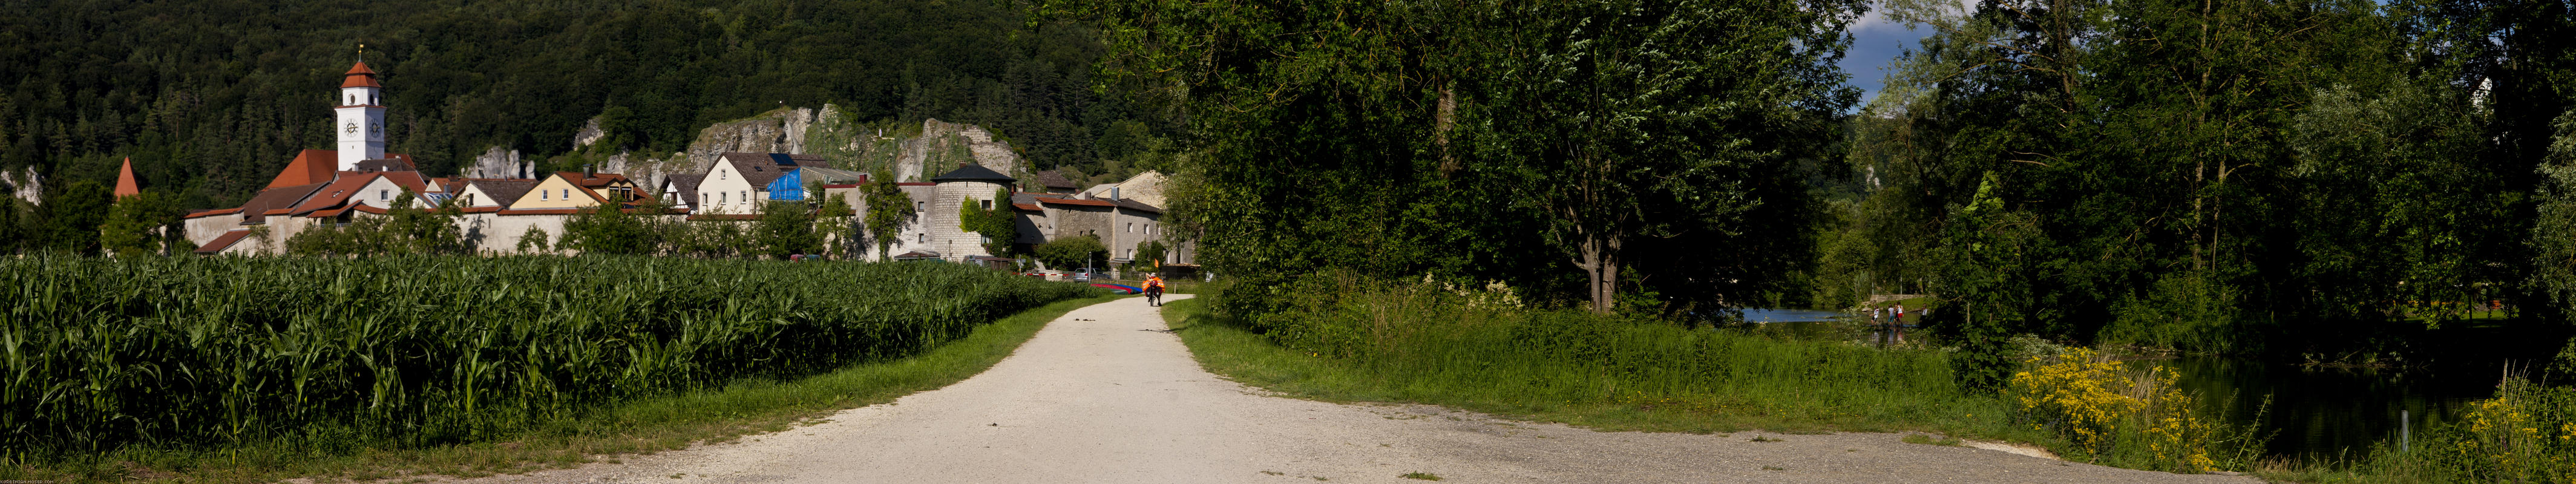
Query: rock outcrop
(24,184)
(496,162)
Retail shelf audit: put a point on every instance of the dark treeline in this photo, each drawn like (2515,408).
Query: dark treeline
(210,98)
(2248,176)
(2231,176)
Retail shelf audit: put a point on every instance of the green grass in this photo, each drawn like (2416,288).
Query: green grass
(1421,475)
(1620,376)
(1929,440)
(641,426)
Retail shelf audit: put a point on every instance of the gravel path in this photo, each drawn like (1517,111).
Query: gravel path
(1105,395)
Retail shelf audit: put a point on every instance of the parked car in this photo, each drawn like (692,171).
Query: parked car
(1082,277)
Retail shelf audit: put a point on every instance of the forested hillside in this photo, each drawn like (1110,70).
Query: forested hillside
(210,98)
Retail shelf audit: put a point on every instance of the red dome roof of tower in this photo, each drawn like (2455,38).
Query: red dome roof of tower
(360,76)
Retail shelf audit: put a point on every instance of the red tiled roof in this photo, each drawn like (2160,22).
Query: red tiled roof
(1076,201)
(409,180)
(211,213)
(481,209)
(125,186)
(725,216)
(222,242)
(360,76)
(541,211)
(309,167)
(594,180)
(338,192)
(1027,206)
(275,201)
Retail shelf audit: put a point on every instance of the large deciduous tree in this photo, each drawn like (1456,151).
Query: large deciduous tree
(888,211)
(1622,120)
(1487,139)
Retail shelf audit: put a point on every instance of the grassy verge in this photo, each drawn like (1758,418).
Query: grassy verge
(1767,384)
(643,425)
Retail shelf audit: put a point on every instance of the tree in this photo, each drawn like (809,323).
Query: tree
(534,241)
(2553,239)
(72,216)
(888,211)
(785,228)
(609,229)
(426,230)
(1000,226)
(136,224)
(1068,253)
(1622,120)
(1151,250)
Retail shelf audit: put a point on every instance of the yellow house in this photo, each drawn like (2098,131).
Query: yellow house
(575,190)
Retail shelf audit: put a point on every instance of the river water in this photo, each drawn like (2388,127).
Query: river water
(2327,412)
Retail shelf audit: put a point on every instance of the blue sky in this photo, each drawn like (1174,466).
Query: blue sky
(1875,43)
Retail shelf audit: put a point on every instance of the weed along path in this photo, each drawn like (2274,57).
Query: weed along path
(1106,395)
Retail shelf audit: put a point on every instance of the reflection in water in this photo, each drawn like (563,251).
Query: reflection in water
(2321,412)
(1788,315)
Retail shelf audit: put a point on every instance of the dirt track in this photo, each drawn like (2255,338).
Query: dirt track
(1104,395)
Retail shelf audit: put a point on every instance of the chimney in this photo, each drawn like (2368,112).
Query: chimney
(588,172)
(1113,194)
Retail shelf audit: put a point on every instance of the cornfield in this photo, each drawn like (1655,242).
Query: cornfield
(205,352)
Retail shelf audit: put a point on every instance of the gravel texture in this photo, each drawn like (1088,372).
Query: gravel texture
(1105,395)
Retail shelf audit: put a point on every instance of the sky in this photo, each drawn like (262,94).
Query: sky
(1875,43)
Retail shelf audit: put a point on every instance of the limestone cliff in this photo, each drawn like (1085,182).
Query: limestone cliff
(912,153)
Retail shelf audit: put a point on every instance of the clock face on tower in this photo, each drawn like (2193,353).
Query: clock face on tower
(353,127)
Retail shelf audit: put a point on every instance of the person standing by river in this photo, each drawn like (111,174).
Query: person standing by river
(1896,322)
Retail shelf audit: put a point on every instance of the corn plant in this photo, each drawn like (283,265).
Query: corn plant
(207,352)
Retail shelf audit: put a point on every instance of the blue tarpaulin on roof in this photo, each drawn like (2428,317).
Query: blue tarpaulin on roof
(790,186)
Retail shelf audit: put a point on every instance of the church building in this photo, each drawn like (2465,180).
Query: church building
(319,187)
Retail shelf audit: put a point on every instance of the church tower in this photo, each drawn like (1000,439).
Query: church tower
(361,123)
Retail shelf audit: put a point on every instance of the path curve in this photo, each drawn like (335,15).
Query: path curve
(1106,395)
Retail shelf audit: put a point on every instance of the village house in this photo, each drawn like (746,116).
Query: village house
(740,181)
(576,190)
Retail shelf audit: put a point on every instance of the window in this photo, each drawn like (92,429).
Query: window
(384,194)
(1131,227)
(720,197)
(988,205)
(353,99)
(1131,253)
(542,195)
(920,206)
(567,194)
(988,240)
(746,196)
(925,237)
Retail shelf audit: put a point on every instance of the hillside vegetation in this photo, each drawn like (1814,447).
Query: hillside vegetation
(211,98)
